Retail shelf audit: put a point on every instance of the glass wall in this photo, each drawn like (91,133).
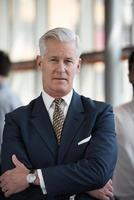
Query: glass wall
(25,21)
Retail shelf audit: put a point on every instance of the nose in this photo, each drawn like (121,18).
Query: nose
(61,66)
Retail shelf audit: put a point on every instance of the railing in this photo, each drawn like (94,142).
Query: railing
(87,58)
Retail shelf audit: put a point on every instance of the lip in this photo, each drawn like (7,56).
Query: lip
(60,79)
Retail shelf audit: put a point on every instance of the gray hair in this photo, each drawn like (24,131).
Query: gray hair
(61,35)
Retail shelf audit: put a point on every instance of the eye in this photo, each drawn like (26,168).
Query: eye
(53,60)
(68,61)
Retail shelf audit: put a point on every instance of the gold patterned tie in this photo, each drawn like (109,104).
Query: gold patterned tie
(58,118)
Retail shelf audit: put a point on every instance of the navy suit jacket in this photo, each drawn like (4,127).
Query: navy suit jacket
(67,168)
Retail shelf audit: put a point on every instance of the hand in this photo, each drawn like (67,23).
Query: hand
(14,180)
(103,193)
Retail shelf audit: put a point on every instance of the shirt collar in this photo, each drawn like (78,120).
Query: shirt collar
(48,100)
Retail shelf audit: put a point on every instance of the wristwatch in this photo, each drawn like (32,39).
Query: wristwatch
(31,177)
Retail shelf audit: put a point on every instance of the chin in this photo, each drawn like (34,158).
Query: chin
(61,91)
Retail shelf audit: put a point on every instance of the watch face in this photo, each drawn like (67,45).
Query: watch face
(31,178)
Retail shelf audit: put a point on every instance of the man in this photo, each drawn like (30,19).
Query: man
(49,157)
(124,173)
(8,100)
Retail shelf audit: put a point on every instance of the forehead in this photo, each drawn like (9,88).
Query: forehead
(54,47)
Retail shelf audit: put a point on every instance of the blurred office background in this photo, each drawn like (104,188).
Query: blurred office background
(106,30)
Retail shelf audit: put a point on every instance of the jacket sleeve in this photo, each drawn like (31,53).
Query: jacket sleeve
(96,167)
(13,144)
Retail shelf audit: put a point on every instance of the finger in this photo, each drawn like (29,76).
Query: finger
(110,181)
(7,194)
(111,189)
(16,162)
(109,186)
(5,177)
(3,184)
(4,189)
(106,198)
(1,177)
(110,194)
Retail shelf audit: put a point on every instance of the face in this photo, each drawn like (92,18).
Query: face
(59,66)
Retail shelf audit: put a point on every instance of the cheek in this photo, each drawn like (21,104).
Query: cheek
(45,74)
(72,73)
(46,71)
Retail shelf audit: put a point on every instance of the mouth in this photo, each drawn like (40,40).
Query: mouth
(60,79)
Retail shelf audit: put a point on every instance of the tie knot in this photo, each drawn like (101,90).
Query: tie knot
(58,101)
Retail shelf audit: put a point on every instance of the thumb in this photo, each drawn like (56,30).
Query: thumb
(16,162)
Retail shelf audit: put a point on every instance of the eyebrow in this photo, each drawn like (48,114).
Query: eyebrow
(67,58)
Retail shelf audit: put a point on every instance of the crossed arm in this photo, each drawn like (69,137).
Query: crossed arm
(14,181)
(100,158)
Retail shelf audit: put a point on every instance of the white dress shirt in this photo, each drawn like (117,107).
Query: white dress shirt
(48,103)
(123,180)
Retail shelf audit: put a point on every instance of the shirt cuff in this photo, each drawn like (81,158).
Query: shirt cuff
(41,180)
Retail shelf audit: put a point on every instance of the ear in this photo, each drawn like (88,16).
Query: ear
(39,62)
(79,65)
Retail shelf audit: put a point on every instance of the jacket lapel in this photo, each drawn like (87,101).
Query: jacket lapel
(73,121)
(41,122)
